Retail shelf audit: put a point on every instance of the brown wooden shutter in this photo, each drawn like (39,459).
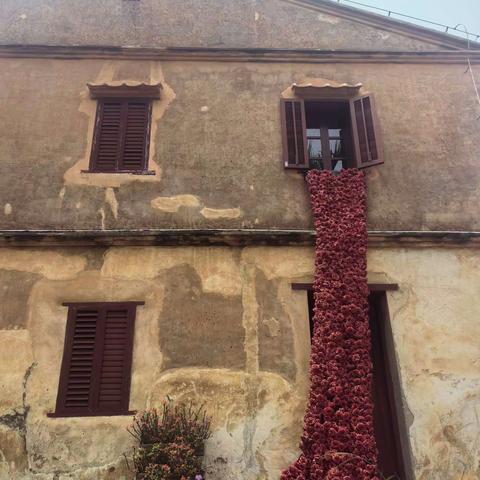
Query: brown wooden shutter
(366,134)
(294,134)
(135,143)
(107,136)
(115,368)
(76,376)
(97,360)
(121,136)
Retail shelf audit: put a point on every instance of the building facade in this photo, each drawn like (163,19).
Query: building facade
(144,188)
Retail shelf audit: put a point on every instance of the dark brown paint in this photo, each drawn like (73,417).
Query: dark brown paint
(97,359)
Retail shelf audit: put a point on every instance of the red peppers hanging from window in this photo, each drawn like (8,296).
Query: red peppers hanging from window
(338,441)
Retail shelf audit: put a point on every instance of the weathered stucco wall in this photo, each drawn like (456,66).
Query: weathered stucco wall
(205,23)
(238,304)
(216,147)
(434,321)
(208,331)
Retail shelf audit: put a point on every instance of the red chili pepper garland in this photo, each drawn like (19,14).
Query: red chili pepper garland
(338,442)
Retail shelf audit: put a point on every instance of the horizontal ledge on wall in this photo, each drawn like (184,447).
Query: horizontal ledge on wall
(263,55)
(373,287)
(103,304)
(225,237)
(90,414)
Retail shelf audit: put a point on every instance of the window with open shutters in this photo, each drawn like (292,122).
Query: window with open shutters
(97,359)
(121,134)
(320,133)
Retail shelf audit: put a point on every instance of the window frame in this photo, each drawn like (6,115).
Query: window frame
(378,300)
(125,94)
(349,152)
(93,409)
(124,101)
(356,161)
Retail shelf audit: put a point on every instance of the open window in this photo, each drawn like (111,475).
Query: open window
(329,124)
(329,138)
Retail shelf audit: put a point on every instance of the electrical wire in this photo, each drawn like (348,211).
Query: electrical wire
(391,12)
(469,63)
(456,28)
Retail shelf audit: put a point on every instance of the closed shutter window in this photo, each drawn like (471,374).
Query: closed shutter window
(97,359)
(366,134)
(121,136)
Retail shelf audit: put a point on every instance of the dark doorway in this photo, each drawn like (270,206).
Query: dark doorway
(385,380)
(389,423)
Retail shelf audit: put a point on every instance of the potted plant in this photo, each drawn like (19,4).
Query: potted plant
(171,444)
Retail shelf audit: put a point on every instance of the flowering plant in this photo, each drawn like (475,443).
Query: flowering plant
(171,444)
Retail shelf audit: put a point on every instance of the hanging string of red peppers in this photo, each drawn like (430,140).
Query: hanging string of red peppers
(338,442)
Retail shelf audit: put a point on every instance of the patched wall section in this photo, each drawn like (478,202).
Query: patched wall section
(200,329)
(254,376)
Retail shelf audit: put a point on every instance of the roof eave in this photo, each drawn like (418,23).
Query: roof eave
(383,22)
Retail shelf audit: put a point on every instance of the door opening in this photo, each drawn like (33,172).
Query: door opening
(389,422)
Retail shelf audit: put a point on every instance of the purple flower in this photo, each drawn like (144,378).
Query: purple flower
(198,477)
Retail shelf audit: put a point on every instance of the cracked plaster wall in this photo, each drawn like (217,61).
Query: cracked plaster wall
(253,375)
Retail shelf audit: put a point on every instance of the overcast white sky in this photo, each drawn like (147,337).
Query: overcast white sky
(448,12)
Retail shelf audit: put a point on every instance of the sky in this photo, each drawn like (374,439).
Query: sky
(447,12)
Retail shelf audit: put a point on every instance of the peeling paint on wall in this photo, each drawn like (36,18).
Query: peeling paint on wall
(50,264)
(173,204)
(112,201)
(215,213)
(101,212)
(324,18)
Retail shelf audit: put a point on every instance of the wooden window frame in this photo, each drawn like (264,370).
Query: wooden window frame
(93,408)
(123,94)
(303,164)
(328,159)
(378,295)
(124,102)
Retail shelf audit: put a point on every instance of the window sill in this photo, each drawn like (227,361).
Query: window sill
(302,168)
(131,172)
(90,414)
